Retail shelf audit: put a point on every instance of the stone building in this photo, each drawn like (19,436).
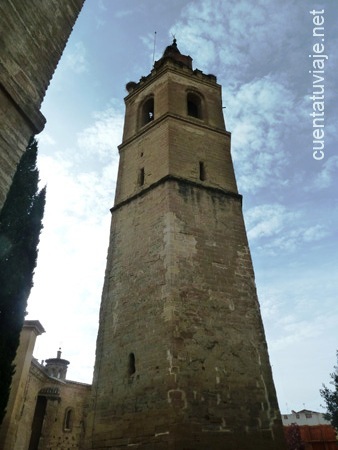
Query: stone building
(181,357)
(34,34)
(45,410)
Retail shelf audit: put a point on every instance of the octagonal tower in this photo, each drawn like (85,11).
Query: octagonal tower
(181,359)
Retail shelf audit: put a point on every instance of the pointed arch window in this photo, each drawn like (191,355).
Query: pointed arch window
(194,105)
(147,111)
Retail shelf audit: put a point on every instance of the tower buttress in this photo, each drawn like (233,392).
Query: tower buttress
(181,358)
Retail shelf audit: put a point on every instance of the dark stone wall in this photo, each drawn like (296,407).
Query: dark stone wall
(180,295)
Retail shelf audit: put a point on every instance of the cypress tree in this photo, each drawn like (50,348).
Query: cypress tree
(20,226)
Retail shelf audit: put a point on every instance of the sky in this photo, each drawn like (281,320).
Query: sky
(259,52)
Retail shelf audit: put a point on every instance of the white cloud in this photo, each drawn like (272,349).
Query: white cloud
(76,59)
(230,23)
(148,40)
(266,220)
(74,240)
(102,6)
(102,138)
(315,233)
(276,229)
(124,13)
(46,139)
(328,174)
(299,311)
(258,114)
(83,195)
(71,260)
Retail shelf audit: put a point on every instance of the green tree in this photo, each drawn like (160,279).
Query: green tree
(20,226)
(331,398)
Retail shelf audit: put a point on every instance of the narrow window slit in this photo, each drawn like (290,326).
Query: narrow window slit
(131,364)
(141,177)
(202,171)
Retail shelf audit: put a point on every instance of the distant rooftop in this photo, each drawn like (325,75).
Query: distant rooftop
(304,417)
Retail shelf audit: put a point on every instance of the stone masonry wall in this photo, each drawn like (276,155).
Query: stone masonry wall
(180,295)
(53,435)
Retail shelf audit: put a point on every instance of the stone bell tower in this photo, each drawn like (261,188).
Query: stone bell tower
(181,358)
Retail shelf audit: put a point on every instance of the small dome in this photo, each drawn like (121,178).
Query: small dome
(57,367)
(172,52)
(172,49)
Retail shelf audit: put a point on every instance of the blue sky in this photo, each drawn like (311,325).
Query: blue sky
(260,55)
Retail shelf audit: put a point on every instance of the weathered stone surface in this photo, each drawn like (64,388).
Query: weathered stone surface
(33,36)
(181,359)
(32,382)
